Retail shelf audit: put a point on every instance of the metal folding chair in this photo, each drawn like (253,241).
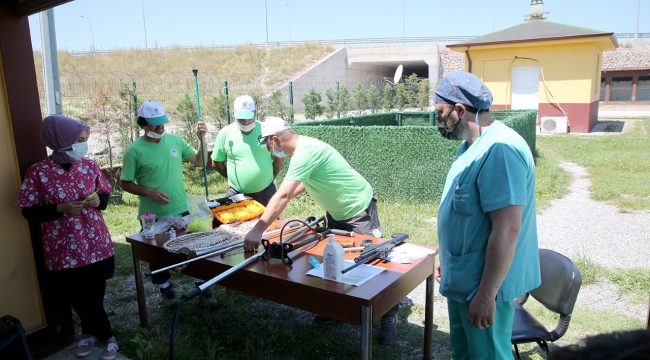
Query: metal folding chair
(561,281)
(10,330)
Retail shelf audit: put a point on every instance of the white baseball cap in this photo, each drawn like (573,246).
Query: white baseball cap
(272,125)
(244,107)
(153,112)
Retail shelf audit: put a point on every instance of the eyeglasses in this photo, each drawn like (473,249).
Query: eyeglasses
(261,139)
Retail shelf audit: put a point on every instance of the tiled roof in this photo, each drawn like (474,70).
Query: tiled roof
(627,59)
(531,31)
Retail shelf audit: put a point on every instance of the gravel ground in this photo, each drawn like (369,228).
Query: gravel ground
(577,225)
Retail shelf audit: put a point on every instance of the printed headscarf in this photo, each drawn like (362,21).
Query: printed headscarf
(59,132)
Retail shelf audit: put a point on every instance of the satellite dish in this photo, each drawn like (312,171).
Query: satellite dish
(398,74)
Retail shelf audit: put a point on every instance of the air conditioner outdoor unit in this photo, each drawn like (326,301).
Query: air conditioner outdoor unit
(554,124)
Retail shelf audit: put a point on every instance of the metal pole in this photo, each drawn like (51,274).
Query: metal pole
(403,6)
(134,99)
(291,100)
(92,36)
(144,24)
(638,8)
(198,113)
(289,12)
(225,91)
(266,24)
(50,63)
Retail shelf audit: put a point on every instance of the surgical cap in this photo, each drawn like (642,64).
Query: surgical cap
(465,88)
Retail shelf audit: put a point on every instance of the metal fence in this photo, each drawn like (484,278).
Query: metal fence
(108,101)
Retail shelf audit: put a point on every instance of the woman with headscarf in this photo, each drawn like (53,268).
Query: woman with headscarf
(65,193)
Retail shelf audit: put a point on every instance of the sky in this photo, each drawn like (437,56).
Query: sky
(125,24)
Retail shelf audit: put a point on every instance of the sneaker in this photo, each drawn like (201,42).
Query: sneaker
(322,320)
(388,331)
(110,351)
(169,298)
(84,347)
(208,299)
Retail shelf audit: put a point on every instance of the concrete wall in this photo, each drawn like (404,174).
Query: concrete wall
(366,65)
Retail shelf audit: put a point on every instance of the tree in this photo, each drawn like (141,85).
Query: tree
(412,89)
(401,96)
(218,107)
(312,104)
(423,93)
(332,102)
(374,98)
(260,109)
(387,103)
(276,107)
(187,113)
(359,98)
(127,107)
(344,99)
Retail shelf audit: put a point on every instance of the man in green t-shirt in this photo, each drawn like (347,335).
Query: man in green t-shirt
(153,169)
(318,169)
(250,169)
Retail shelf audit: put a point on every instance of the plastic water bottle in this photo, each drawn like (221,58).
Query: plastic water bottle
(172,234)
(333,258)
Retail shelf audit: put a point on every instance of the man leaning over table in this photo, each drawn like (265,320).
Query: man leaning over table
(318,169)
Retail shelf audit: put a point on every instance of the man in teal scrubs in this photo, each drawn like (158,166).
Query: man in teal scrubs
(153,169)
(487,226)
(250,169)
(318,169)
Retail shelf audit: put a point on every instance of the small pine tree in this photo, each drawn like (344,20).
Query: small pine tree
(332,102)
(260,109)
(359,98)
(387,101)
(312,104)
(401,96)
(218,107)
(344,99)
(423,93)
(374,98)
(276,107)
(186,109)
(412,90)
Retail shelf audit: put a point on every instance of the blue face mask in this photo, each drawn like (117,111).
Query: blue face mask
(79,150)
(278,154)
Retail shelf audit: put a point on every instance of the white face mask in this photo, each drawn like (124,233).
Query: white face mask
(79,150)
(154,135)
(246,128)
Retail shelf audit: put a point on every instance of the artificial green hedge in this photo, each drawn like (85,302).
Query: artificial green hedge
(403,163)
(522,121)
(380,119)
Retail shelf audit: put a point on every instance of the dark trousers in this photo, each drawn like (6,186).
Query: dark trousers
(363,223)
(84,289)
(263,197)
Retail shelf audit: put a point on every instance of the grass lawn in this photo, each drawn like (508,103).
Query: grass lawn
(245,327)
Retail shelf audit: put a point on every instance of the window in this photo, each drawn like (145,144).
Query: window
(620,89)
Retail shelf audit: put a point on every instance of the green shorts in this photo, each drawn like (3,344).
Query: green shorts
(468,342)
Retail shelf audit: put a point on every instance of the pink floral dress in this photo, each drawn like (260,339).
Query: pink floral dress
(71,241)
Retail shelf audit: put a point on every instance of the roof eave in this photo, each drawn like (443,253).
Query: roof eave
(465,44)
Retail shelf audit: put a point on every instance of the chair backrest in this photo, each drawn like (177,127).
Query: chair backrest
(561,281)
